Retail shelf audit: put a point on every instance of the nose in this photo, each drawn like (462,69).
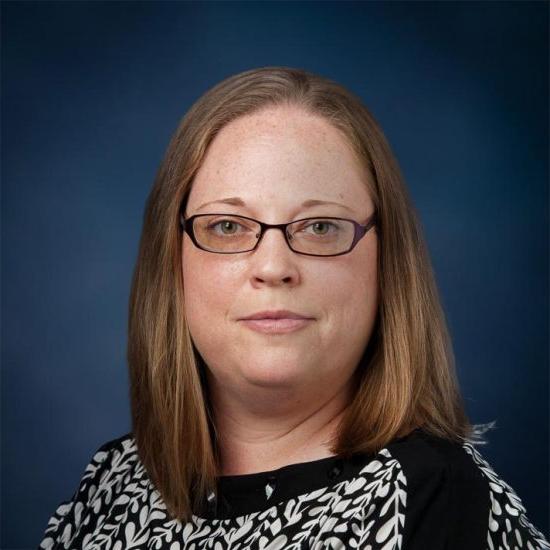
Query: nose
(272,262)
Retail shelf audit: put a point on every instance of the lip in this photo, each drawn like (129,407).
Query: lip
(276,322)
(276,326)
(275,314)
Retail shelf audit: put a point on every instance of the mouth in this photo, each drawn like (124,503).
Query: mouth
(276,322)
(276,326)
(275,314)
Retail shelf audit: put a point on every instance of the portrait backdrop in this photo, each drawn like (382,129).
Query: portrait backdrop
(91,94)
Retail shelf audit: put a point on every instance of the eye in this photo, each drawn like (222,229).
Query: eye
(227,227)
(321,227)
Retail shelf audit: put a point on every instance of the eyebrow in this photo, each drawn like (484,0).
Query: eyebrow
(237,201)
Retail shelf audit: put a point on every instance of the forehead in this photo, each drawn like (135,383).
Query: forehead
(281,156)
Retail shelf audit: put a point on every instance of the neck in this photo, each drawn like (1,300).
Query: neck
(251,439)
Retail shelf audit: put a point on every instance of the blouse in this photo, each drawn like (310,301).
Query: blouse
(420,492)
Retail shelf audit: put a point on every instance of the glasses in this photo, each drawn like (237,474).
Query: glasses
(231,234)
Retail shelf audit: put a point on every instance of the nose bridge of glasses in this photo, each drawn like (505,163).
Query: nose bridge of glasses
(282,227)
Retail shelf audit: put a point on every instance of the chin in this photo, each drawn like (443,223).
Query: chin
(273,373)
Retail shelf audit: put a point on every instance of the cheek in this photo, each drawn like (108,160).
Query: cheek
(208,288)
(351,298)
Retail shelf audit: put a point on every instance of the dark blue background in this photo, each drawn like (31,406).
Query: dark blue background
(92,92)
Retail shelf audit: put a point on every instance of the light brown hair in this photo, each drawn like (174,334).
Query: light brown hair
(406,378)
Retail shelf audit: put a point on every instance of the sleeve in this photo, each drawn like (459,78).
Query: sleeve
(447,506)
(69,518)
(456,501)
(508,524)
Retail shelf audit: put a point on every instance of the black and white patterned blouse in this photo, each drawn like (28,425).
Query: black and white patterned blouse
(418,493)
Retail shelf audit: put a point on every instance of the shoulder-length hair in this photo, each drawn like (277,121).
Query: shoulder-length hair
(406,378)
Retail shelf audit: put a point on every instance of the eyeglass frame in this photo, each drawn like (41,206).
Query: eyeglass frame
(361,230)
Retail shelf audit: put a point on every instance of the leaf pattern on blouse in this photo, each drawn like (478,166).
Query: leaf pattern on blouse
(507,515)
(116,507)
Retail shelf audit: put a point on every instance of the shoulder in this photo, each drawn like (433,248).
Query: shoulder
(454,499)
(423,492)
(111,467)
(122,448)
(428,459)
(508,523)
(108,464)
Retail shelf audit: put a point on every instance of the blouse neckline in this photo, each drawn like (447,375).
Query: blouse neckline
(243,494)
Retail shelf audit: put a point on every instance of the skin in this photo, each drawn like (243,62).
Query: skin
(278,398)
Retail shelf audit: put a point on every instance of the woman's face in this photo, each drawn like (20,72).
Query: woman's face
(274,161)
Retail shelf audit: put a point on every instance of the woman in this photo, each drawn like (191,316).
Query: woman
(292,379)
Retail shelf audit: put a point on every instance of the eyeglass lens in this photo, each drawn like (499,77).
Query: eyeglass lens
(226,233)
